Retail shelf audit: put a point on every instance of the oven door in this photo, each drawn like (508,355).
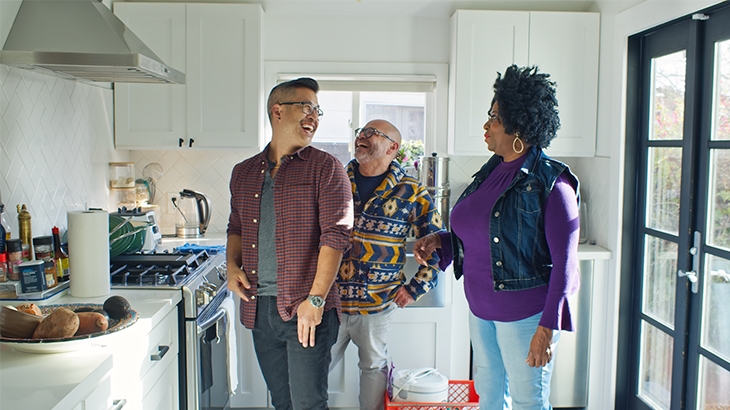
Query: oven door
(207,362)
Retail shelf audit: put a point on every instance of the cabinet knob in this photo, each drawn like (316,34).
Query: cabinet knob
(180,142)
(190,145)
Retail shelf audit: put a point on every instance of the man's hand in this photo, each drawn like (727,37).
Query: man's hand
(424,247)
(541,349)
(238,282)
(403,298)
(308,317)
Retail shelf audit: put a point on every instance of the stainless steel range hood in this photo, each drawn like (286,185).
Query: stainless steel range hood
(81,39)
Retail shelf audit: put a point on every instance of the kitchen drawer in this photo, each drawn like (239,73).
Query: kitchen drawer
(164,391)
(99,398)
(139,362)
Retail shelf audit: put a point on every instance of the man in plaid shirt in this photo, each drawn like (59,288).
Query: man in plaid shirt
(388,205)
(290,222)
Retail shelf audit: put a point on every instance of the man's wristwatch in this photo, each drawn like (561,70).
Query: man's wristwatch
(316,301)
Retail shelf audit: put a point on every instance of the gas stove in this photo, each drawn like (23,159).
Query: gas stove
(200,276)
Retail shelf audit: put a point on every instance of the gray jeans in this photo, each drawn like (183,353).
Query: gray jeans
(295,376)
(370,335)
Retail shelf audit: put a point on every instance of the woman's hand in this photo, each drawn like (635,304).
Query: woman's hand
(424,247)
(541,349)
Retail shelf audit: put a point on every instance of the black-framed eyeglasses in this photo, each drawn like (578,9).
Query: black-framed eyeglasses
(369,131)
(307,107)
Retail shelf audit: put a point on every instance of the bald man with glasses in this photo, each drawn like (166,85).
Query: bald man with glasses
(388,205)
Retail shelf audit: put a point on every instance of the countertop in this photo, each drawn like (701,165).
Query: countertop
(58,381)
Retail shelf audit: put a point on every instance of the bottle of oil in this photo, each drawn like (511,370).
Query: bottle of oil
(4,227)
(60,256)
(24,231)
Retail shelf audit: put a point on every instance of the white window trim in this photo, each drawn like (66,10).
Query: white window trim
(436,127)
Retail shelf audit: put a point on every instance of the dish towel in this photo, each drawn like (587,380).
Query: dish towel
(193,248)
(230,306)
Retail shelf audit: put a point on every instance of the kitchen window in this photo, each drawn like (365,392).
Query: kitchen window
(350,101)
(349,110)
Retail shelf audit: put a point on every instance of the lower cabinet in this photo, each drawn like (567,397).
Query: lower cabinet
(99,398)
(145,370)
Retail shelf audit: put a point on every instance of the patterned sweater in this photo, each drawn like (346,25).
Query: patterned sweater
(372,270)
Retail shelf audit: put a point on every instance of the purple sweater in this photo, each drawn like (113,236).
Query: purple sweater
(470,221)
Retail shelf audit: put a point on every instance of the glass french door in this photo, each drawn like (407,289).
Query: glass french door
(681,315)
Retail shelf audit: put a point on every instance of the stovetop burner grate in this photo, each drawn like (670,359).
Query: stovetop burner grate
(163,269)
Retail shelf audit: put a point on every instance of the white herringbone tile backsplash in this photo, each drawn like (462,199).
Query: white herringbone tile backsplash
(55,146)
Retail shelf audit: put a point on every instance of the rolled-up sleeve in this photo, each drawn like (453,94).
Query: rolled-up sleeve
(336,214)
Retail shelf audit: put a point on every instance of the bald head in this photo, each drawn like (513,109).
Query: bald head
(386,128)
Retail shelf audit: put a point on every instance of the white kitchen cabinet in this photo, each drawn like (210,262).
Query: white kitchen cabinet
(145,365)
(220,49)
(562,44)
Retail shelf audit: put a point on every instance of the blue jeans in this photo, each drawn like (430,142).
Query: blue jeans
(502,379)
(370,335)
(295,376)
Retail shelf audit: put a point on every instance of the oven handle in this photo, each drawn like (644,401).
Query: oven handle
(213,320)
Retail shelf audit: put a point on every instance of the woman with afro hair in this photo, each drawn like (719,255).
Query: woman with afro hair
(514,238)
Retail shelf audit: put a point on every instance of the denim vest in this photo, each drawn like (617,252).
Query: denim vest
(520,255)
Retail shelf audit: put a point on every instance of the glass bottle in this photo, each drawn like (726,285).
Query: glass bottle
(43,246)
(4,228)
(60,256)
(24,230)
(3,268)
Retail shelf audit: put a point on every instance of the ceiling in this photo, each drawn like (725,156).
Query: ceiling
(423,8)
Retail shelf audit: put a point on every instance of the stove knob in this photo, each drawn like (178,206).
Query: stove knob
(201,297)
(222,272)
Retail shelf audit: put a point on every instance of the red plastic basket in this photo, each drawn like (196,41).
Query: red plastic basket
(462,396)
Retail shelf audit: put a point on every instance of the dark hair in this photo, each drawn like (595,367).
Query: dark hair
(283,91)
(527,104)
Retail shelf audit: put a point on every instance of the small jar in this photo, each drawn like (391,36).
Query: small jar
(43,246)
(3,267)
(15,258)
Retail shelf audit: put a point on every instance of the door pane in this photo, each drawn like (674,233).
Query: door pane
(655,367)
(667,99)
(714,382)
(660,271)
(663,180)
(719,203)
(721,92)
(715,313)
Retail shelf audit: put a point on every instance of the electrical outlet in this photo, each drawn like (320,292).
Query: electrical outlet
(170,207)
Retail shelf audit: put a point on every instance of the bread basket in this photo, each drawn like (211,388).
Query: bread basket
(17,324)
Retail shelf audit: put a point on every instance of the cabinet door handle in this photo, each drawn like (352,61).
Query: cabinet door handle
(118,404)
(191,143)
(180,142)
(163,351)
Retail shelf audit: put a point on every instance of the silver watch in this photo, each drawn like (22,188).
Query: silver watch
(316,301)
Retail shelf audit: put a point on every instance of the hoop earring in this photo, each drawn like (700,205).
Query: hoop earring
(514,143)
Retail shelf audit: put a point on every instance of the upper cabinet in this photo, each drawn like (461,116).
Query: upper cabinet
(220,49)
(564,45)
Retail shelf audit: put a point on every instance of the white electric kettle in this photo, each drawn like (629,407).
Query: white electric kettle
(194,214)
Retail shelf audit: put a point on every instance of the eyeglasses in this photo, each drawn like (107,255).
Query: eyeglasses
(492,116)
(368,132)
(307,107)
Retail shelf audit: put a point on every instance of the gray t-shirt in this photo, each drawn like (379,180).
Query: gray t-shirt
(267,238)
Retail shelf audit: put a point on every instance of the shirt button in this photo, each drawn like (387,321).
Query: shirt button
(529,188)
(253,245)
(263,170)
(263,163)
(253,270)
(255,195)
(501,285)
(496,240)
(499,263)
(253,297)
(496,214)
(255,221)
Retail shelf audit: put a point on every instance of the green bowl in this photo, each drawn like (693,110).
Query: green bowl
(119,235)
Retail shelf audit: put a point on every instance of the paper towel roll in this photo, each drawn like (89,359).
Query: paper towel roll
(88,253)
